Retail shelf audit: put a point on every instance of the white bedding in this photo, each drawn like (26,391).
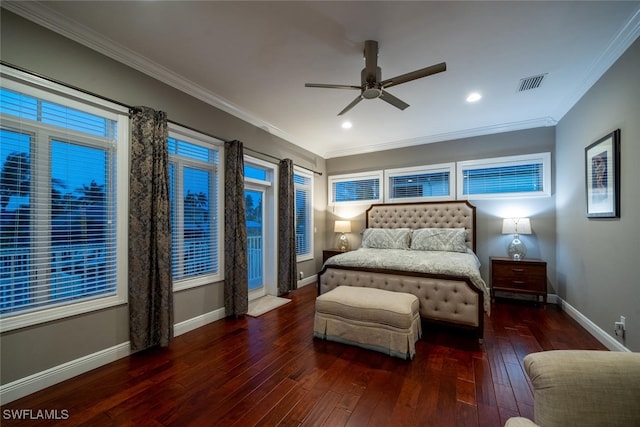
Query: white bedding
(434,262)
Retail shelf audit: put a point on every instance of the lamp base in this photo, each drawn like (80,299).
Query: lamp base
(516,249)
(343,243)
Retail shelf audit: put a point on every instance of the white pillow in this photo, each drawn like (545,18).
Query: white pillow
(439,239)
(386,238)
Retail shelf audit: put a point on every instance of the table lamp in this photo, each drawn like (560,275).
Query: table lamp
(516,226)
(342,227)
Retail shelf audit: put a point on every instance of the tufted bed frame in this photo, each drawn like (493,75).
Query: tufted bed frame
(447,300)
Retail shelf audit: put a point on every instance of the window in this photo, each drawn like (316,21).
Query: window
(194,176)
(303,183)
(63,176)
(356,188)
(421,183)
(257,172)
(517,176)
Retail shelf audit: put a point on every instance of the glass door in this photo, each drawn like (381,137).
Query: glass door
(260,183)
(254,203)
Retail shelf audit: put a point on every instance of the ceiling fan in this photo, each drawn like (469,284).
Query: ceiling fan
(371,85)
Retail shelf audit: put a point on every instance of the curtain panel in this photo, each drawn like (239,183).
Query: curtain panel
(236,282)
(150,279)
(287,266)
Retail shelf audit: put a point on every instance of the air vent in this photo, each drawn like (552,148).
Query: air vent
(529,83)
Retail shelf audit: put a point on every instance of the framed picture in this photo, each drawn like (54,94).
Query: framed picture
(602,167)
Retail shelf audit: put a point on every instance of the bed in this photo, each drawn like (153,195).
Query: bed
(397,254)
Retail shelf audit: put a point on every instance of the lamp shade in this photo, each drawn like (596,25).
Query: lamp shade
(516,226)
(342,227)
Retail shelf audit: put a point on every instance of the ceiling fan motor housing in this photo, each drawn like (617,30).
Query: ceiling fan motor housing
(371,91)
(371,87)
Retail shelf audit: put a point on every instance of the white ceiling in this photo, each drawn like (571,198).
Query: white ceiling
(252,59)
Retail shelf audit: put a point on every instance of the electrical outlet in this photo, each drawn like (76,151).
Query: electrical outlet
(301,274)
(620,327)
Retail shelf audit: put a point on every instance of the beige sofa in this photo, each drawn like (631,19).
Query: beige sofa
(583,388)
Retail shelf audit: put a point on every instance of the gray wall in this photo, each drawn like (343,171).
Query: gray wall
(30,350)
(490,241)
(599,258)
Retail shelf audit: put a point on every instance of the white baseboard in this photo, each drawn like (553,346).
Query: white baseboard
(198,321)
(41,380)
(553,299)
(599,334)
(307,281)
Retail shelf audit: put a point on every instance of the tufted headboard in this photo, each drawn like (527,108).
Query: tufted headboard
(453,214)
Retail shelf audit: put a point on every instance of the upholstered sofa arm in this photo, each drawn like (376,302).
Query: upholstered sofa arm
(585,388)
(520,422)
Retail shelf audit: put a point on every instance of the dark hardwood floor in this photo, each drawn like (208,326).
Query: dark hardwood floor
(270,371)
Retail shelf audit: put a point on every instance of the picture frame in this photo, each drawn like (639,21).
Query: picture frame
(602,173)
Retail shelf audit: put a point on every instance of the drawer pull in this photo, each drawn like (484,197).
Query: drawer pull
(517,270)
(518,282)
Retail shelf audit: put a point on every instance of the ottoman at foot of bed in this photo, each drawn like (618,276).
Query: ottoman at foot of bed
(375,319)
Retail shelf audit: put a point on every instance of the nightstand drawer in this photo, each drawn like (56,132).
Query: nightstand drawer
(524,276)
(521,284)
(518,272)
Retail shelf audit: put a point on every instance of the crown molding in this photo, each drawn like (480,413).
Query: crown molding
(446,136)
(44,16)
(617,46)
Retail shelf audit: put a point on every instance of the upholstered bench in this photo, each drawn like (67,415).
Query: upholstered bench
(371,318)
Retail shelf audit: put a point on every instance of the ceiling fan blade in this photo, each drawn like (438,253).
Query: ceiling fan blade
(370,60)
(329,86)
(424,72)
(350,106)
(396,102)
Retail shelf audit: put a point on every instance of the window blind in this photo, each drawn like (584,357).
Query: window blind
(356,190)
(505,179)
(58,202)
(302,186)
(194,199)
(419,185)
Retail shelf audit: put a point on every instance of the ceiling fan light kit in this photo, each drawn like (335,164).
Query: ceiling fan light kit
(371,92)
(371,84)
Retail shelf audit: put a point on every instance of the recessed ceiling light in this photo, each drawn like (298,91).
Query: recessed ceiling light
(346,125)
(473,97)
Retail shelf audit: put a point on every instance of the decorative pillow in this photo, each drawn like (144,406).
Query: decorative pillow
(386,238)
(439,239)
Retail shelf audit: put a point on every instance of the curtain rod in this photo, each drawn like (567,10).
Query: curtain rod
(244,147)
(276,158)
(104,98)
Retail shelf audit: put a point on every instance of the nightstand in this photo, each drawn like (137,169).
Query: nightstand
(328,253)
(527,276)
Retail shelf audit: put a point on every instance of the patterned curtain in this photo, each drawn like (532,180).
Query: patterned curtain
(286,228)
(150,280)
(236,282)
